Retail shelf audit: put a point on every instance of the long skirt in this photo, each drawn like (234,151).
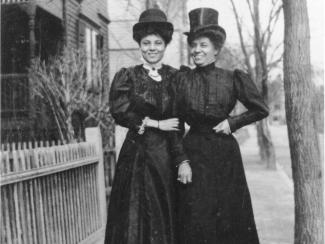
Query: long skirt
(142,202)
(216,207)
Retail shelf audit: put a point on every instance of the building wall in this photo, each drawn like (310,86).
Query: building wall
(73,10)
(54,7)
(91,12)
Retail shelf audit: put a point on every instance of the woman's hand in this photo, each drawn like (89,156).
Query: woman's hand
(165,125)
(184,173)
(168,124)
(223,127)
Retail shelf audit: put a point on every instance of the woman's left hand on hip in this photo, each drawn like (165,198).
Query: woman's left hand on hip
(184,173)
(223,127)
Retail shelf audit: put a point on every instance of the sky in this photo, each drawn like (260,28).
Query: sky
(227,20)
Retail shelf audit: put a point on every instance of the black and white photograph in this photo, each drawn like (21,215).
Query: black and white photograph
(162,122)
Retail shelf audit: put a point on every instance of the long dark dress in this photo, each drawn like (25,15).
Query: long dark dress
(216,207)
(142,201)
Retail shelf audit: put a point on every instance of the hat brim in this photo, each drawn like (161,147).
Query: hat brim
(216,30)
(161,25)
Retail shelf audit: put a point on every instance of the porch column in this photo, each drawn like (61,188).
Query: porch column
(31,12)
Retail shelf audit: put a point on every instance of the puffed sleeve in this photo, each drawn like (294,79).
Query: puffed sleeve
(125,106)
(248,94)
(176,137)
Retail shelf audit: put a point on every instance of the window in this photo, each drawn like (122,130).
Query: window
(91,54)
(92,42)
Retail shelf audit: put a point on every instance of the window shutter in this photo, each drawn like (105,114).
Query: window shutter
(100,43)
(81,34)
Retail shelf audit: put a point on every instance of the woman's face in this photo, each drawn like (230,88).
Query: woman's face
(152,48)
(203,51)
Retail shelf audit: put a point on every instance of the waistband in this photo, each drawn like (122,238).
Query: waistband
(205,129)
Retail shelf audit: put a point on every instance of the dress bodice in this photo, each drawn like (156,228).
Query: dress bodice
(135,95)
(207,95)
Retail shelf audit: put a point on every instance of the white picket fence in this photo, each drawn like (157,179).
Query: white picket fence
(53,193)
(14,1)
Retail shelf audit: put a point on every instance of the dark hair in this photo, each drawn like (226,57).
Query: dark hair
(153,29)
(213,35)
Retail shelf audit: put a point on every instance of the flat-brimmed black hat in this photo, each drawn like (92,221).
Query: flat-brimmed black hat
(205,20)
(156,20)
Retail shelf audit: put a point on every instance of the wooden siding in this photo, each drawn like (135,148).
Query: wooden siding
(73,10)
(54,7)
(89,9)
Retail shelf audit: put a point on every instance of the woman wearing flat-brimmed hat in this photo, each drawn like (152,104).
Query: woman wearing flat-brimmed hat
(142,201)
(216,207)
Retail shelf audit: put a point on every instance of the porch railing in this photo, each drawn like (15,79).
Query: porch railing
(53,194)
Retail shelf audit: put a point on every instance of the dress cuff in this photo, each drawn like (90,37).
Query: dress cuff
(186,161)
(143,126)
(232,124)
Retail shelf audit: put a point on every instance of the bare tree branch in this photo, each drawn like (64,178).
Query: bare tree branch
(273,20)
(280,44)
(242,41)
(251,10)
(168,4)
(272,14)
(267,151)
(257,34)
(274,63)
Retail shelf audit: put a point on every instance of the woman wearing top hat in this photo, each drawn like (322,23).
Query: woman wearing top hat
(142,201)
(216,207)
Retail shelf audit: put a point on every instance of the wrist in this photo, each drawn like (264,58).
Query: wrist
(232,124)
(152,123)
(228,127)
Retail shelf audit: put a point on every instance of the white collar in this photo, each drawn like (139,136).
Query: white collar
(151,66)
(153,69)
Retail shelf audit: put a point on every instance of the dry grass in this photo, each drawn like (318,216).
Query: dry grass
(66,87)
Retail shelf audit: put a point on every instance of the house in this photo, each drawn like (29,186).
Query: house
(40,28)
(124,51)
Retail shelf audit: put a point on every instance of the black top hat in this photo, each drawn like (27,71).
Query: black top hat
(204,20)
(153,18)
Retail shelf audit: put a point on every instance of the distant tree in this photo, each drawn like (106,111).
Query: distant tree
(303,138)
(231,58)
(259,72)
(276,89)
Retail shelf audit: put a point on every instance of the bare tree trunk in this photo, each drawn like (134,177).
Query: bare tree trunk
(259,73)
(266,147)
(303,139)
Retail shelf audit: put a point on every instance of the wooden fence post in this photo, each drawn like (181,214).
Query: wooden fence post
(93,135)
